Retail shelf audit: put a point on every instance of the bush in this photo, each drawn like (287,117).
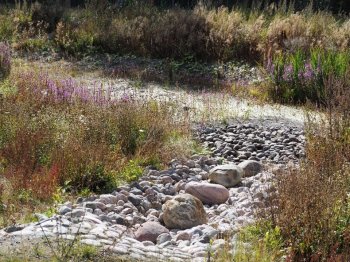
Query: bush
(312,204)
(49,12)
(5,60)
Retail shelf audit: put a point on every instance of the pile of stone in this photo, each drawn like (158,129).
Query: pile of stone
(236,143)
(183,213)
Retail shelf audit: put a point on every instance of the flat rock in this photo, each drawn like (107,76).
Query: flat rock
(183,211)
(208,193)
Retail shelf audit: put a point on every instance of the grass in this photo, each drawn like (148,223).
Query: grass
(185,38)
(59,138)
(204,33)
(40,251)
(313,203)
(56,134)
(307,219)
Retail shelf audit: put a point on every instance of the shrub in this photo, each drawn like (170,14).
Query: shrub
(204,33)
(5,60)
(260,242)
(49,12)
(312,204)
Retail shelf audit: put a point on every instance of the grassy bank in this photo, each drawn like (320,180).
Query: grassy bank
(58,136)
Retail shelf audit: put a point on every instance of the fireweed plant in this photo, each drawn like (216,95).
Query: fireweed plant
(298,77)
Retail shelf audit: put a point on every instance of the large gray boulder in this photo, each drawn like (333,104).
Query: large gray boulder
(250,167)
(227,175)
(183,211)
(150,231)
(210,194)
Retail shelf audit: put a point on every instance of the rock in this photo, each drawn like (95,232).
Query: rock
(162,238)
(64,209)
(150,231)
(183,211)
(40,217)
(134,199)
(227,175)
(208,193)
(147,243)
(108,199)
(14,228)
(250,168)
(94,205)
(76,213)
(183,236)
(180,186)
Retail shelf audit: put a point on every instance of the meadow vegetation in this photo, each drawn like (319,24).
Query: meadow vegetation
(308,218)
(283,42)
(58,137)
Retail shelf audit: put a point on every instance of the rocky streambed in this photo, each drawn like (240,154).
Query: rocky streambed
(184,213)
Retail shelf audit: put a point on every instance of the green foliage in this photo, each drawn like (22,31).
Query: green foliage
(260,242)
(93,178)
(72,146)
(131,171)
(311,206)
(7,27)
(297,77)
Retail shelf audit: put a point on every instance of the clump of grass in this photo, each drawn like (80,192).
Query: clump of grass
(308,217)
(258,242)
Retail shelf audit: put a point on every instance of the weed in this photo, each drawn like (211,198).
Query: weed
(5,60)
(77,138)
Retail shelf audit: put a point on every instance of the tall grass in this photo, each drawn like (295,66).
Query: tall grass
(205,33)
(56,133)
(312,205)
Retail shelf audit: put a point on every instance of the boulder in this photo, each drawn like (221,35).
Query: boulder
(250,167)
(149,231)
(183,211)
(227,175)
(210,194)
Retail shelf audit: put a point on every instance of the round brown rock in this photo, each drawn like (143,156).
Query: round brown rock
(149,231)
(210,194)
(227,175)
(250,168)
(183,211)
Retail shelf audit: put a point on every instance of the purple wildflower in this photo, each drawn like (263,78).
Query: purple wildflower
(288,73)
